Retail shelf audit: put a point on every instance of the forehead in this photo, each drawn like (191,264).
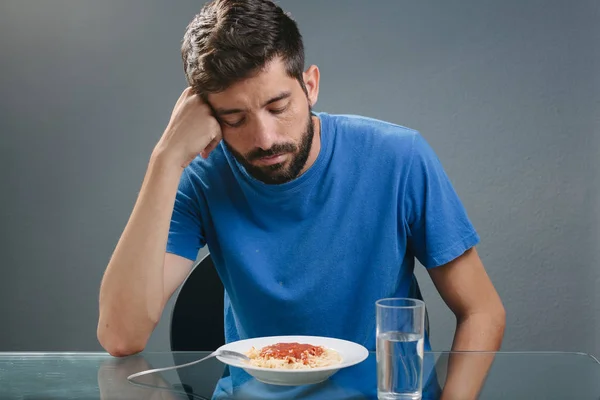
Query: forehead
(270,81)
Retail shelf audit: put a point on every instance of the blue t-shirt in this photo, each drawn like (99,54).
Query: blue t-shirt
(312,256)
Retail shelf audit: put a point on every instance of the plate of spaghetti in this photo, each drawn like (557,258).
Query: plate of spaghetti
(294,360)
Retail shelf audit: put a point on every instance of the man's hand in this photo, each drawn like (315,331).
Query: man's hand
(192,130)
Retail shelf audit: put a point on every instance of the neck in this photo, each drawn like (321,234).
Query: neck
(315,146)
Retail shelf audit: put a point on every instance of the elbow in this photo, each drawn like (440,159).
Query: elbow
(493,321)
(489,321)
(495,317)
(118,345)
(500,318)
(123,350)
(499,322)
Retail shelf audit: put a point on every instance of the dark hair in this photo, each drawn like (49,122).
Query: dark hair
(230,40)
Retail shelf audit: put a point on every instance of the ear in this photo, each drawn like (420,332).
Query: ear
(311,82)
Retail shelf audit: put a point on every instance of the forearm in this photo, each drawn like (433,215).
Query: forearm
(467,371)
(132,294)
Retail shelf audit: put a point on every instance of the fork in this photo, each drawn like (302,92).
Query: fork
(220,353)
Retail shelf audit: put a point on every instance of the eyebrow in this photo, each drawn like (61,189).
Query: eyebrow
(227,111)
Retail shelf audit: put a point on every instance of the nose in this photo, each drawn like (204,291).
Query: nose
(265,135)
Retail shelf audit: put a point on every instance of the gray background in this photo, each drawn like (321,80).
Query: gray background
(507,93)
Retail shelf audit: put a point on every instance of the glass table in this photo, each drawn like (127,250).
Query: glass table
(513,375)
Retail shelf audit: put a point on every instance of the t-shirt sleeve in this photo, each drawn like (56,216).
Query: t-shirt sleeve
(438,226)
(186,233)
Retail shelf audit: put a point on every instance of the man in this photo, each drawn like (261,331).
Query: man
(309,217)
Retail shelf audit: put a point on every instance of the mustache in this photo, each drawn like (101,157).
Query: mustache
(274,150)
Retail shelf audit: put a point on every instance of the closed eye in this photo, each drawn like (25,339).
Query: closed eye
(236,124)
(278,110)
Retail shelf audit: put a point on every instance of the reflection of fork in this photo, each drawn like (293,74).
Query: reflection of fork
(220,353)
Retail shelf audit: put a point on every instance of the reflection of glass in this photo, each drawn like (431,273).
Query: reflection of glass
(400,332)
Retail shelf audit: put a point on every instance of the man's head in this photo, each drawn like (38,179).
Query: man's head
(245,58)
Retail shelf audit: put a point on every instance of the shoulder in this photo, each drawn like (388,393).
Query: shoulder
(363,124)
(368,135)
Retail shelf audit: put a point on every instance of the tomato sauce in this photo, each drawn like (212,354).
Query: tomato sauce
(291,351)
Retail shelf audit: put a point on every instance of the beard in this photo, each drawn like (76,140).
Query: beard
(279,173)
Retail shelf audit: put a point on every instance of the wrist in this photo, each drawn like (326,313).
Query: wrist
(165,156)
(164,160)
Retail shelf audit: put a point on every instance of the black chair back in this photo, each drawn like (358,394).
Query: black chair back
(197,317)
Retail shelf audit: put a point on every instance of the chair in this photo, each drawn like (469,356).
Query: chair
(197,323)
(197,316)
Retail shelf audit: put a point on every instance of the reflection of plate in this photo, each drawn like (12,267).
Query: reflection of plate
(351,353)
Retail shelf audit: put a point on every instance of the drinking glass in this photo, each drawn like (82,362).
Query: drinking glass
(400,332)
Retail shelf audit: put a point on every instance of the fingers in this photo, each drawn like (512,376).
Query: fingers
(211,146)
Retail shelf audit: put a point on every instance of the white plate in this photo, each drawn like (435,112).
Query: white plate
(351,353)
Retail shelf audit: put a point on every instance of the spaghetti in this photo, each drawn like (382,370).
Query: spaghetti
(293,356)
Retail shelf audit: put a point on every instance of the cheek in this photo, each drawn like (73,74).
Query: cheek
(237,139)
(286,125)
(293,123)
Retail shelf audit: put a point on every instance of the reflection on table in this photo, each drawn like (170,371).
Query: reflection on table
(522,375)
